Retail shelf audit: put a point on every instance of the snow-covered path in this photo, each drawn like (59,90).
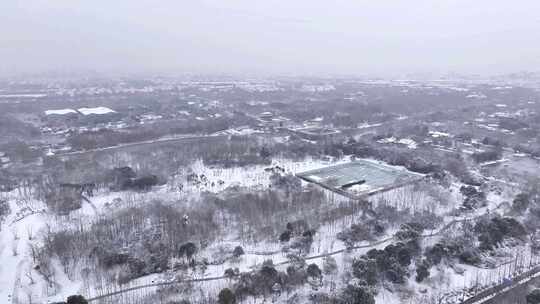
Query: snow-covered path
(142,143)
(17,282)
(12,264)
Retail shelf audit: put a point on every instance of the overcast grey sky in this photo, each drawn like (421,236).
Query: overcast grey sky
(271,36)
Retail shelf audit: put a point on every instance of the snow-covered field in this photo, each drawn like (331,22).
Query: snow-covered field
(20,281)
(21,233)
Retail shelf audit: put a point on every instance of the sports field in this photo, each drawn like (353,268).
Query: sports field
(359,178)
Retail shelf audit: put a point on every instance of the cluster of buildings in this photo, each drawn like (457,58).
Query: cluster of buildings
(58,121)
(310,130)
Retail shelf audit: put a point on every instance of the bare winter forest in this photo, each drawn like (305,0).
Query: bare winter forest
(253,152)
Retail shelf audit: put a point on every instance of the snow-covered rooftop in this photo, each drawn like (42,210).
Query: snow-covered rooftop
(96,110)
(60,112)
(370,177)
(411,144)
(437,134)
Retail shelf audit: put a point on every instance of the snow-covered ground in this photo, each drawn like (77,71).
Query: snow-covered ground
(20,282)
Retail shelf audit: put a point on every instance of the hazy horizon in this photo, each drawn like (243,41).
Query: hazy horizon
(271,37)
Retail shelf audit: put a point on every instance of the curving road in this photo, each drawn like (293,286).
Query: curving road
(514,282)
(140,143)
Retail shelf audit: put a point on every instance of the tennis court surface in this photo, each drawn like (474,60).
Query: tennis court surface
(360,178)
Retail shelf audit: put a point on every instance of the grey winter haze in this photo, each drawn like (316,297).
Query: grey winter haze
(271,37)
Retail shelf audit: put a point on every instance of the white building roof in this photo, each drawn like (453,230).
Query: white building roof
(96,110)
(60,112)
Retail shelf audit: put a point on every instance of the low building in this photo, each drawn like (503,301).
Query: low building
(269,120)
(62,118)
(361,178)
(316,132)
